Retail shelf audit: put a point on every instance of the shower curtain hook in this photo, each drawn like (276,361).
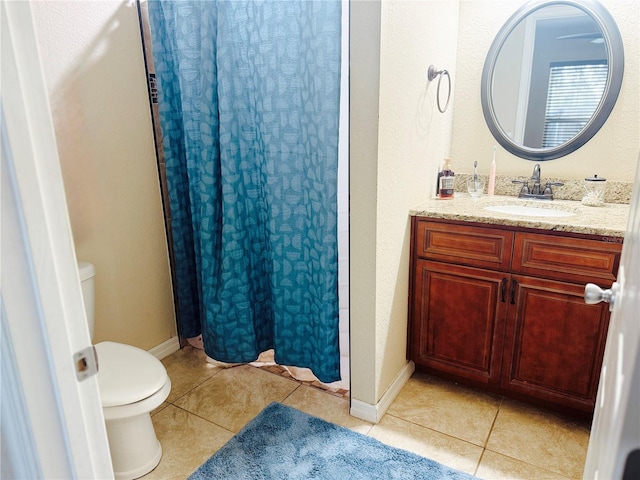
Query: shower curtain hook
(432,73)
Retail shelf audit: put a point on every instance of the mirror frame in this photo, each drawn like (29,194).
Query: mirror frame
(615,52)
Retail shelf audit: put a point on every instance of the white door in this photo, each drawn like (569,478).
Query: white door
(52,422)
(615,432)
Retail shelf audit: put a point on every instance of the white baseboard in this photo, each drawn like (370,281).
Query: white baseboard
(374,413)
(166,348)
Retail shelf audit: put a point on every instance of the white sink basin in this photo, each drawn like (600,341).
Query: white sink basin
(521,210)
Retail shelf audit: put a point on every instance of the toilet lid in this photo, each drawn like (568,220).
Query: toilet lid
(127,374)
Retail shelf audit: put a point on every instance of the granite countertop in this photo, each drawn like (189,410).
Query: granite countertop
(609,220)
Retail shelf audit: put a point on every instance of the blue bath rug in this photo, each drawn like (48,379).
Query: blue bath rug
(284,443)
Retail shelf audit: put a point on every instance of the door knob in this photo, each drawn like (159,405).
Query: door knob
(594,294)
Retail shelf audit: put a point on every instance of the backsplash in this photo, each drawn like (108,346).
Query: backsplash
(617,192)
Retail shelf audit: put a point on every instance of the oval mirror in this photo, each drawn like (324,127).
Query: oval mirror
(552,77)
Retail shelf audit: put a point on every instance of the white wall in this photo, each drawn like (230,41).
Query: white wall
(364,84)
(611,153)
(413,139)
(92,60)
(397,140)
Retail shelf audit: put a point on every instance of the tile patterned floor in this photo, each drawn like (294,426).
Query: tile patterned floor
(478,433)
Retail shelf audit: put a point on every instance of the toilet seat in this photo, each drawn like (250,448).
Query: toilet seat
(128,374)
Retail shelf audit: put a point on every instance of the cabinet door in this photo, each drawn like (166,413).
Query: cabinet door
(458,318)
(554,342)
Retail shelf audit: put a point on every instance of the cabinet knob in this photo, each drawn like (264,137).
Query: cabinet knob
(594,294)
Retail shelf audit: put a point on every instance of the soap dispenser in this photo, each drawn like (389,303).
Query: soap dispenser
(447,178)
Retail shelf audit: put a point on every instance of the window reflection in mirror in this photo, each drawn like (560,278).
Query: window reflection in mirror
(549,77)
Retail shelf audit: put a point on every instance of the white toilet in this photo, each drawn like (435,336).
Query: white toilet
(132,383)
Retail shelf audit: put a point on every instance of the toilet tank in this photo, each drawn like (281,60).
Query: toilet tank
(87,274)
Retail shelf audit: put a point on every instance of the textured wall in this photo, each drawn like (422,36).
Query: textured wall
(397,140)
(92,59)
(413,139)
(611,153)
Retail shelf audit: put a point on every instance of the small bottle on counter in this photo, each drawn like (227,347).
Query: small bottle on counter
(492,174)
(447,178)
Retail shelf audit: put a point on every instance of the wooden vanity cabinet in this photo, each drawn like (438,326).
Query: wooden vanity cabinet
(504,309)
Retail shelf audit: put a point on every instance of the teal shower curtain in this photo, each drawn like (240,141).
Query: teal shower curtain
(249,105)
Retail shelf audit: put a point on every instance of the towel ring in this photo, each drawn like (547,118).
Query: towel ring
(432,73)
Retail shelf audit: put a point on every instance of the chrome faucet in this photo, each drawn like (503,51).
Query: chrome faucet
(536,191)
(536,180)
